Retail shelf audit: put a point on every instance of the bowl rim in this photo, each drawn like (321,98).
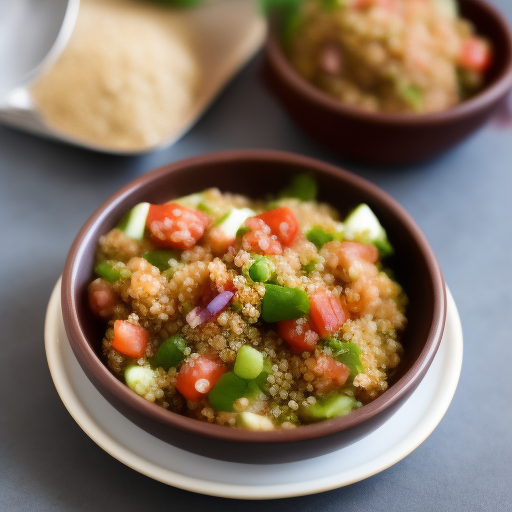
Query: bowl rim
(98,372)
(491,93)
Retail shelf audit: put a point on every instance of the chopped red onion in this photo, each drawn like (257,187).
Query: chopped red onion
(220,302)
(199,315)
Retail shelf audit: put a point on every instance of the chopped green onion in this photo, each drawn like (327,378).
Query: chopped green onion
(160,258)
(107,271)
(170,353)
(347,353)
(248,363)
(138,378)
(302,186)
(242,230)
(260,271)
(413,96)
(330,406)
(319,236)
(283,303)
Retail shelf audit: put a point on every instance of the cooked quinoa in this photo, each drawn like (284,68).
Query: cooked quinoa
(172,301)
(416,56)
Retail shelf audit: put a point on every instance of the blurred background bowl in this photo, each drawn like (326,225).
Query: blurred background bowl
(393,138)
(257,173)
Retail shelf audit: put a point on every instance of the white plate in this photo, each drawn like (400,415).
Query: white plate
(398,437)
(227,33)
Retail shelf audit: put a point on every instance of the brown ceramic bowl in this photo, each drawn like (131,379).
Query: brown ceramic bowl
(393,138)
(256,173)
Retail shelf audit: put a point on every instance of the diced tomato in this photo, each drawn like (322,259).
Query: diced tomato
(327,313)
(130,339)
(332,369)
(299,334)
(366,4)
(196,379)
(260,239)
(475,55)
(283,223)
(173,225)
(102,298)
(349,252)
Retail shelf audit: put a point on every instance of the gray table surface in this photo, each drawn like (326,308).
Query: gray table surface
(462,201)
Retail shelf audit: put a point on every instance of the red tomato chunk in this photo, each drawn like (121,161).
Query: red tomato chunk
(351,251)
(102,298)
(130,339)
(196,379)
(329,367)
(299,334)
(282,223)
(327,313)
(175,226)
(260,239)
(475,55)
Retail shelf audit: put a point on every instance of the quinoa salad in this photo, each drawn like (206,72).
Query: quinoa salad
(397,56)
(258,314)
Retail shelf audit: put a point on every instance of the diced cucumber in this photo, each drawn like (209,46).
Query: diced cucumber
(362,225)
(227,391)
(134,222)
(283,303)
(252,421)
(330,406)
(230,222)
(248,363)
(170,353)
(139,378)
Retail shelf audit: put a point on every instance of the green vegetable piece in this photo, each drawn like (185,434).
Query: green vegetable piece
(260,271)
(347,353)
(107,271)
(248,363)
(169,273)
(261,379)
(330,406)
(283,303)
(160,258)
(138,378)
(310,266)
(170,353)
(255,422)
(302,186)
(227,391)
(319,236)
(134,222)
(413,96)
(241,231)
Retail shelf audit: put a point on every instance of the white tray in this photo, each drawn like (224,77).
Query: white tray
(227,34)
